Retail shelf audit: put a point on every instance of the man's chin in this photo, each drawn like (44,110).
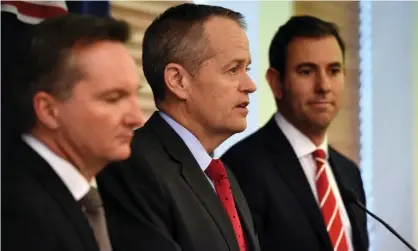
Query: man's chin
(122,153)
(240,126)
(321,125)
(322,120)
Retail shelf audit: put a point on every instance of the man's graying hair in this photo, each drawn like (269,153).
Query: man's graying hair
(177,36)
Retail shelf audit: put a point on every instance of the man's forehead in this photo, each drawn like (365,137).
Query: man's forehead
(226,38)
(220,31)
(315,50)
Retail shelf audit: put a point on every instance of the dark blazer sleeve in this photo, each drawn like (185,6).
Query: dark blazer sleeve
(23,224)
(361,216)
(137,207)
(363,220)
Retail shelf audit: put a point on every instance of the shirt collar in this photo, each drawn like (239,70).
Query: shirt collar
(75,182)
(301,144)
(192,143)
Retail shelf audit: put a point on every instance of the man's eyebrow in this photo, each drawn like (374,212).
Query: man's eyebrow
(117,90)
(313,65)
(335,64)
(238,61)
(306,64)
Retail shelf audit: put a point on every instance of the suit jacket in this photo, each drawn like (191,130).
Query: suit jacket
(285,212)
(162,186)
(38,211)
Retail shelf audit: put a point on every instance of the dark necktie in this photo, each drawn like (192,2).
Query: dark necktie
(93,209)
(217,173)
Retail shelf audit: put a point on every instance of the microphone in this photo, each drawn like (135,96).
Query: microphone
(352,197)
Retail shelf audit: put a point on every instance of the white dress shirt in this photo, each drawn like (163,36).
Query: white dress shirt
(193,144)
(70,176)
(304,148)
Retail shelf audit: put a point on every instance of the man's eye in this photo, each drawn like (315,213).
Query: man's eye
(113,98)
(305,72)
(234,69)
(335,71)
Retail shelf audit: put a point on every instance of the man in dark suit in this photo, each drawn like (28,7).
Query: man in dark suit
(77,108)
(293,180)
(195,58)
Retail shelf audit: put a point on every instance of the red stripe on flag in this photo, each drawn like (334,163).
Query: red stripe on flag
(36,10)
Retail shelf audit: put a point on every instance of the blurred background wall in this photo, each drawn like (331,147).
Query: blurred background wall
(387,94)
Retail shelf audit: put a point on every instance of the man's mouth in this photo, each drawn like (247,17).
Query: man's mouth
(243,104)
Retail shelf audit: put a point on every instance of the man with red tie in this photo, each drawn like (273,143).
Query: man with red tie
(293,180)
(195,58)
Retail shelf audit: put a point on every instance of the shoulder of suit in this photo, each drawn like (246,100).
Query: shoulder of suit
(20,186)
(144,137)
(340,157)
(247,144)
(149,155)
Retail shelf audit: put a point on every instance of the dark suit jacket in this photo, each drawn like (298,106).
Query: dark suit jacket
(162,186)
(284,209)
(38,211)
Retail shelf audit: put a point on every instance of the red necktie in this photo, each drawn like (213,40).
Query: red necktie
(216,172)
(328,204)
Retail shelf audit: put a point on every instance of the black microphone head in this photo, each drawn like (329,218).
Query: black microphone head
(349,195)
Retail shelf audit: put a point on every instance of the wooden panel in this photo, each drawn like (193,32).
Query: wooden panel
(344,133)
(139,15)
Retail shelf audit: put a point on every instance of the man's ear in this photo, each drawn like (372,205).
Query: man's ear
(46,110)
(276,86)
(177,80)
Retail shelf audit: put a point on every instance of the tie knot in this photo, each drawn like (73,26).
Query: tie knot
(319,154)
(216,170)
(91,201)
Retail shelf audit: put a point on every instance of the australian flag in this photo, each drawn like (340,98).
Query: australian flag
(17,18)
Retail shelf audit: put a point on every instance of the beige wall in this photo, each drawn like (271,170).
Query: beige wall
(272,15)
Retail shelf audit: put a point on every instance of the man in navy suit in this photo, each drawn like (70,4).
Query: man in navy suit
(292,179)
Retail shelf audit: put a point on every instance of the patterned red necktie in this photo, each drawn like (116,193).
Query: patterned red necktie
(217,173)
(328,204)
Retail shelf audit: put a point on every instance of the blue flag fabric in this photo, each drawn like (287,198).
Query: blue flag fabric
(94,8)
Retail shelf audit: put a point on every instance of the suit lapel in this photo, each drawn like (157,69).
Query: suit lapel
(57,189)
(207,196)
(243,213)
(289,167)
(248,229)
(194,177)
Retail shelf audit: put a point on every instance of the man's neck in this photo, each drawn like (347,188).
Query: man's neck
(209,140)
(316,135)
(87,167)
(316,139)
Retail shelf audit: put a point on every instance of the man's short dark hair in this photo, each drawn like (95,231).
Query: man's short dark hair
(46,57)
(299,26)
(177,36)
